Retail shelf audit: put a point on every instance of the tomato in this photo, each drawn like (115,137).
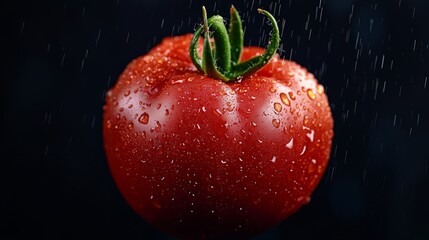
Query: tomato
(200,157)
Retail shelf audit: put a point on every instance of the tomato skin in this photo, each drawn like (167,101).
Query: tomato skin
(195,156)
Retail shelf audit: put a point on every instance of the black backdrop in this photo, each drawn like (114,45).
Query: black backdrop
(59,57)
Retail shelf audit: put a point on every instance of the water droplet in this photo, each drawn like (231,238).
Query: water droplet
(127,93)
(130,106)
(305,120)
(130,125)
(223,161)
(153,91)
(284,99)
(273,89)
(121,109)
(158,127)
(144,135)
(290,144)
(217,112)
(303,150)
(292,97)
(144,118)
(167,112)
(158,106)
(177,81)
(108,124)
(310,135)
(273,159)
(277,107)
(204,109)
(230,106)
(298,92)
(291,129)
(311,94)
(276,123)
(320,88)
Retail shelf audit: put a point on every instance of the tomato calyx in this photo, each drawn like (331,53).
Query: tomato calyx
(223,61)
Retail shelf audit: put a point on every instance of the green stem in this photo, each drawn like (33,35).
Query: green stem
(223,62)
(236,35)
(209,63)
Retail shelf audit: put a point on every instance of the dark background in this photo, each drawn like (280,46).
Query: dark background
(59,58)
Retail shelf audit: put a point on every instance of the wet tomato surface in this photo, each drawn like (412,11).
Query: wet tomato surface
(195,156)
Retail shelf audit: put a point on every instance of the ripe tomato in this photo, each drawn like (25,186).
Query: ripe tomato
(196,156)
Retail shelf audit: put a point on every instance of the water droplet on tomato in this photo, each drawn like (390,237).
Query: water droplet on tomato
(108,124)
(158,106)
(158,126)
(320,88)
(303,150)
(144,135)
(130,106)
(290,144)
(305,119)
(277,107)
(291,96)
(273,159)
(144,118)
(130,125)
(153,90)
(311,94)
(276,123)
(273,89)
(217,112)
(291,129)
(230,107)
(127,93)
(177,81)
(167,112)
(310,135)
(284,99)
(121,109)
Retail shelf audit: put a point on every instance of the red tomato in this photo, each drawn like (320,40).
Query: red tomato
(196,156)
(201,157)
